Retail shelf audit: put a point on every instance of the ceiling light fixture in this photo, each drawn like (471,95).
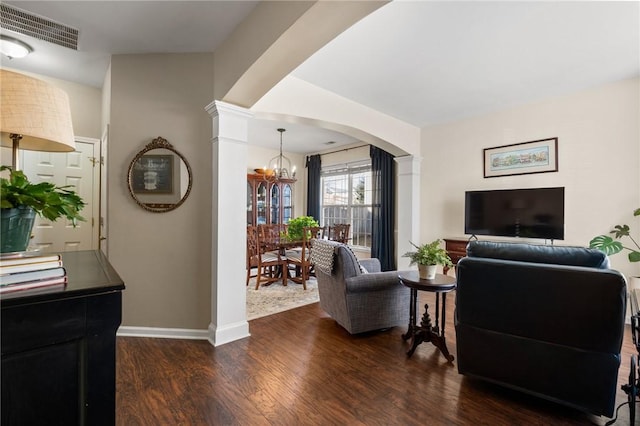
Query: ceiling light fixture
(13,48)
(280,171)
(35,116)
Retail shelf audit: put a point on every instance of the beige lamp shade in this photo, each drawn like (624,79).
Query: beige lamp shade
(36,110)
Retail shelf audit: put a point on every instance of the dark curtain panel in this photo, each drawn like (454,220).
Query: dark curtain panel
(383,213)
(313,186)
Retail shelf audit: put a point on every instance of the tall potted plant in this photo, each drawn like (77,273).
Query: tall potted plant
(21,200)
(610,245)
(296,225)
(428,257)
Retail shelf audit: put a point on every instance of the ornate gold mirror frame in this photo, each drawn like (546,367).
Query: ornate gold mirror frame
(159,177)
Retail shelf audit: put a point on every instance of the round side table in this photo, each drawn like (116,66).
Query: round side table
(426,331)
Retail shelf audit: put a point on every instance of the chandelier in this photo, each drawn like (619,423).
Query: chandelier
(277,163)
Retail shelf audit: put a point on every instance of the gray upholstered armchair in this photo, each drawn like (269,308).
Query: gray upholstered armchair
(359,300)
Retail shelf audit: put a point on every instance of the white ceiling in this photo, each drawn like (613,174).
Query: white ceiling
(125,27)
(432,62)
(422,62)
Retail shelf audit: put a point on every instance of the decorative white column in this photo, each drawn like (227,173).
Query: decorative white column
(408,207)
(228,227)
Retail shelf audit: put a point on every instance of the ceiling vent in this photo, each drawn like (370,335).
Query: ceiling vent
(35,26)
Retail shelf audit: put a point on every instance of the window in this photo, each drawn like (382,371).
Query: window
(346,198)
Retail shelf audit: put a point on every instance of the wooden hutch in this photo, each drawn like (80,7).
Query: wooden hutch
(269,200)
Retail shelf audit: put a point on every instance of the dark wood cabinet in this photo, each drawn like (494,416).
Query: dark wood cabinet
(59,348)
(457,249)
(269,201)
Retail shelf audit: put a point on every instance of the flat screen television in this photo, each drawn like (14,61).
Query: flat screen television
(526,213)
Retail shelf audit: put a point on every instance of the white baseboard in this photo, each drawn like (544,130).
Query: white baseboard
(164,333)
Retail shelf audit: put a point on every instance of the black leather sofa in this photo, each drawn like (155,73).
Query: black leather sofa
(546,320)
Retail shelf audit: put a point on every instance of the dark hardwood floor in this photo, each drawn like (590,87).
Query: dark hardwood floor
(300,368)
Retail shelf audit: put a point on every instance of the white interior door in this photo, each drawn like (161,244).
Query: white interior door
(75,169)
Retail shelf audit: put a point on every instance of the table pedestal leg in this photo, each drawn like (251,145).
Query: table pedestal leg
(427,333)
(411,329)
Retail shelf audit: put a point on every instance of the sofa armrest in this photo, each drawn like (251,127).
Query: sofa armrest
(375,281)
(371,265)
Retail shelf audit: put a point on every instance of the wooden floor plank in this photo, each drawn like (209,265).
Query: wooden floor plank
(300,368)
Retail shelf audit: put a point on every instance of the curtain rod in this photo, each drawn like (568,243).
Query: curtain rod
(343,149)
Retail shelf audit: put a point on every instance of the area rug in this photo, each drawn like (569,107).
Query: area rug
(269,300)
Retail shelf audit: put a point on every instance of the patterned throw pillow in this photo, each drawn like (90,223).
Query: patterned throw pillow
(322,255)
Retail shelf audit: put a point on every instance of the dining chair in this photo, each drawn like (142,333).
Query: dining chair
(270,235)
(270,263)
(340,232)
(252,251)
(300,257)
(321,232)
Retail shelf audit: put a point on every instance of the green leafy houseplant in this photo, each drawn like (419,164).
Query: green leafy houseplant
(48,200)
(611,246)
(296,225)
(429,254)
(21,199)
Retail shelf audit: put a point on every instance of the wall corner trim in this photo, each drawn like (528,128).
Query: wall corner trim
(232,332)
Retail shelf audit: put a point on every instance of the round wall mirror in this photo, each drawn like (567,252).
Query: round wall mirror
(159,177)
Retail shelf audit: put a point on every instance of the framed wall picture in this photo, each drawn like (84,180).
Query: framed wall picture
(153,174)
(523,158)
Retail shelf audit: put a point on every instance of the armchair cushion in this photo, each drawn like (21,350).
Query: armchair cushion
(370,265)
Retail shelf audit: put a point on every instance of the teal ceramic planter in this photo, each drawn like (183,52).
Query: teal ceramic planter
(15,228)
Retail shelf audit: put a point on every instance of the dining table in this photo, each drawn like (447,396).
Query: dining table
(282,244)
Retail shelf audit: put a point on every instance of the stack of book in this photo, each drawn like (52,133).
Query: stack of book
(34,273)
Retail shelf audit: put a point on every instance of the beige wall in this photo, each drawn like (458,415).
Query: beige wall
(106,100)
(598,134)
(164,258)
(357,153)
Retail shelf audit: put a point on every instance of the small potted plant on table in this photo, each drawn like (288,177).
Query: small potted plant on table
(20,202)
(297,225)
(428,257)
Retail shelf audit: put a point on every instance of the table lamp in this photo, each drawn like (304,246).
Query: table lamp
(34,115)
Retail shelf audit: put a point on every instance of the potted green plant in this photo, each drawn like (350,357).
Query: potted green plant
(428,257)
(21,200)
(610,245)
(296,225)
